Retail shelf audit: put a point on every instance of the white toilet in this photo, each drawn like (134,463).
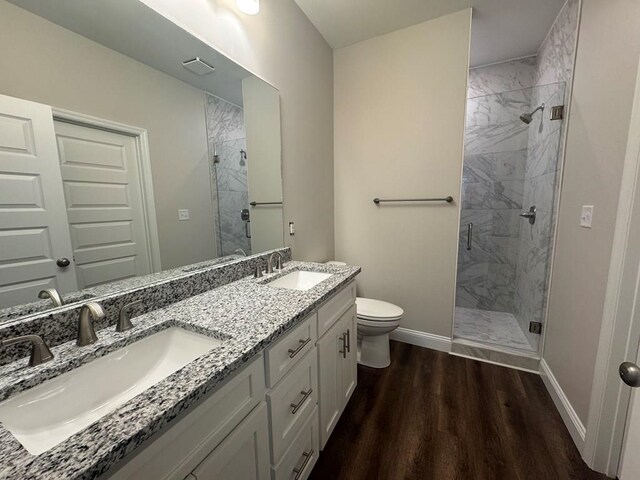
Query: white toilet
(376,319)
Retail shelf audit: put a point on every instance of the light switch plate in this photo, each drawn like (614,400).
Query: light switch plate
(586,216)
(292,228)
(183,214)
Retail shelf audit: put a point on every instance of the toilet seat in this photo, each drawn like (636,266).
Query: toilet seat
(371,310)
(377,323)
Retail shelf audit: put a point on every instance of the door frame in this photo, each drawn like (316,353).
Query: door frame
(620,329)
(141,138)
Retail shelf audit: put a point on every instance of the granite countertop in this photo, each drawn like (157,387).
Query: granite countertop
(247,314)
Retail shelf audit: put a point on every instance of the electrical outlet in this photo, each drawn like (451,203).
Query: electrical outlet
(183,214)
(292,228)
(586,216)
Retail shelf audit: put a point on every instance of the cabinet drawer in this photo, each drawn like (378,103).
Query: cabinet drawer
(291,403)
(282,356)
(331,311)
(299,459)
(176,451)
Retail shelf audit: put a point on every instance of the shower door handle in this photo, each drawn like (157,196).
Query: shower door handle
(530,214)
(246,218)
(469,235)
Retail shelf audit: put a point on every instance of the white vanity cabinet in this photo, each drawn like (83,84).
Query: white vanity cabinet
(270,419)
(337,361)
(235,414)
(242,455)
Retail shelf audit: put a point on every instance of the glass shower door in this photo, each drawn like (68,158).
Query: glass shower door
(509,166)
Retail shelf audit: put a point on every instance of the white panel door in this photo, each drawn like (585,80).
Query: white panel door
(104,203)
(630,463)
(33,220)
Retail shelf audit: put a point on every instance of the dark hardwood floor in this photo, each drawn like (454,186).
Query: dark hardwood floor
(433,416)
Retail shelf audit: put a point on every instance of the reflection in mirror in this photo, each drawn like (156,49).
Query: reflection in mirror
(127,154)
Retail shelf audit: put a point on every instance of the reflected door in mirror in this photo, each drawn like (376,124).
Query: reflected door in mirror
(104,202)
(33,220)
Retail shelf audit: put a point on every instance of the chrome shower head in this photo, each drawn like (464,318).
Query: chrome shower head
(528,117)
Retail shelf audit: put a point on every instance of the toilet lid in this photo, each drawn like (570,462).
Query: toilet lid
(369,308)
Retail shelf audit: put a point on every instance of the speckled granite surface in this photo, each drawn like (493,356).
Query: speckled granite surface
(155,291)
(248,313)
(41,306)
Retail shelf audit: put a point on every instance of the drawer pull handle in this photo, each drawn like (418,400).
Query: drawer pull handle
(307,457)
(296,406)
(348,340)
(343,337)
(303,343)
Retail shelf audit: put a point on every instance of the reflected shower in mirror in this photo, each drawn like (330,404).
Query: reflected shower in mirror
(136,157)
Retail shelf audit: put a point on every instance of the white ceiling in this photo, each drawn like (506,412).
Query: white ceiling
(501,29)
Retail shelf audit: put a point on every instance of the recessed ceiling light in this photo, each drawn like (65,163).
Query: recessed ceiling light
(198,66)
(250,7)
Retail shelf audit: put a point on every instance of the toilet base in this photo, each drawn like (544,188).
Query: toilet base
(373,351)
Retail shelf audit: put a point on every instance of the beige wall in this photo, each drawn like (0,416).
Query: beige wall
(399,107)
(48,64)
(606,66)
(281,46)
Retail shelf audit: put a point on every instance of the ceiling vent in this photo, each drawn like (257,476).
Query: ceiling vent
(198,66)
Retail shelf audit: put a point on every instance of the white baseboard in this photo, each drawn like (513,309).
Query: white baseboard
(568,414)
(421,339)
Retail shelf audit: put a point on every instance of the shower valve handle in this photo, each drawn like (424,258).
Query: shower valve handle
(531,214)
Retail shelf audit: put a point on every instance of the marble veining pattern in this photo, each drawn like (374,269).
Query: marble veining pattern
(554,72)
(495,158)
(233,195)
(509,166)
(247,314)
(499,328)
(502,77)
(226,137)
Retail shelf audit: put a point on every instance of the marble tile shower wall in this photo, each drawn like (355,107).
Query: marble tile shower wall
(493,183)
(233,195)
(226,136)
(540,186)
(553,76)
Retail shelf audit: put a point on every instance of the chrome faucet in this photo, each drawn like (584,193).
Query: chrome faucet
(53,294)
(240,251)
(124,321)
(40,352)
(86,333)
(270,262)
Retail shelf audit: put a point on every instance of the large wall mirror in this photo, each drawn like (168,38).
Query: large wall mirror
(127,147)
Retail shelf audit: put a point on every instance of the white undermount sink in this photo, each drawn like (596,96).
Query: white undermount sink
(47,414)
(300,280)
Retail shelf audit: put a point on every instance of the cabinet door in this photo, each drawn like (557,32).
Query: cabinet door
(243,455)
(330,358)
(349,361)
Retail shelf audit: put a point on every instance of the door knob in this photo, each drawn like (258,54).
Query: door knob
(63,262)
(630,374)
